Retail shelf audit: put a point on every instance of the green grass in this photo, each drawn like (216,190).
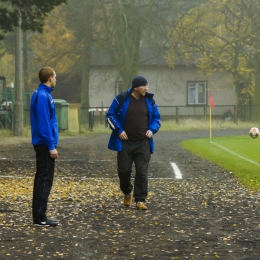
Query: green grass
(240,161)
(194,124)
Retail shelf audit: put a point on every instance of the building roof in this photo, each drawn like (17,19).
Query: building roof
(148,57)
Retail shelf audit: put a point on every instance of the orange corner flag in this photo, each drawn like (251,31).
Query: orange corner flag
(211,101)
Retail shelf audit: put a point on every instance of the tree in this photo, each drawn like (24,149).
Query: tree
(81,21)
(126,27)
(121,31)
(18,97)
(119,27)
(24,16)
(55,46)
(222,36)
(32,13)
(7,70)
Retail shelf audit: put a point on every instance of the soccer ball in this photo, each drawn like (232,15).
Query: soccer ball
(254,132)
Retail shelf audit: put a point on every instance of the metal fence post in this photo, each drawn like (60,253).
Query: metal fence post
(91,119)
(205,113)
(235,114)
(177,115)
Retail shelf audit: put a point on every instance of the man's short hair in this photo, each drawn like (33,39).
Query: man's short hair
(45,73)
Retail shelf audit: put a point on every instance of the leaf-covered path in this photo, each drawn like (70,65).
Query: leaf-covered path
(205,215)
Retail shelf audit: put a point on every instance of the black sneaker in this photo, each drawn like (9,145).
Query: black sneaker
(47,223)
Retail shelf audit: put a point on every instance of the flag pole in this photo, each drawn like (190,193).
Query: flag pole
(210,127)
(211,105)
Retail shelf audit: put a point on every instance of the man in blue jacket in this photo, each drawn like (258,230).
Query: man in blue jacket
(44,129)
(134,122)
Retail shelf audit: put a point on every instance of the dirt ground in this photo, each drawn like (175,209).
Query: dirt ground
(205,215)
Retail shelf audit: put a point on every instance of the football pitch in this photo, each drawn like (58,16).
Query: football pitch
(199,211)
(239,155)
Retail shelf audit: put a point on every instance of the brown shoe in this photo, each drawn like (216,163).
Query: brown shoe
(141,205)
(128,200)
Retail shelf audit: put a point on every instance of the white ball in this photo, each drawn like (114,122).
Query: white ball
(254,132)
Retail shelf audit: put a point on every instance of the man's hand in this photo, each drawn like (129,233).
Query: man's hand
(123,136)
(149,134)
(54,153)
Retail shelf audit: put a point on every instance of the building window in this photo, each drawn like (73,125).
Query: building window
(119,87)
(197,93)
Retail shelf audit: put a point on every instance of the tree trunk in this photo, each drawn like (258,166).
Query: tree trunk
(84,95)
(256,96)
(256,99)
(18,103)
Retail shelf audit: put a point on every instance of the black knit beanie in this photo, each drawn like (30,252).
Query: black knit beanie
(139,81)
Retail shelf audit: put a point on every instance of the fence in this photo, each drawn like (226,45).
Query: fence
(177,113)
(7,109)
(97,114)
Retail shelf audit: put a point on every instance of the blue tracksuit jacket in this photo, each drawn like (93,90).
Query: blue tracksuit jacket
(44,125)
(116,120)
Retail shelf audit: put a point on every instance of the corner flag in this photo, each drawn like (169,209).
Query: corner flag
(211,101)
(212,104)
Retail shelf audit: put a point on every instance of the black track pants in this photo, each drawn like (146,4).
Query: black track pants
(42,182)
(139,153)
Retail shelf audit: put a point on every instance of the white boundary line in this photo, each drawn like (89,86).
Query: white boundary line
(176,170)
(73,177)
(61,160)
(239,156)
(57,160)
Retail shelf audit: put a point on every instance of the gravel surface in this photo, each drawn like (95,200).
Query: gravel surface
(205,215)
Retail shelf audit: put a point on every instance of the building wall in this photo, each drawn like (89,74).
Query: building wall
(169,86)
